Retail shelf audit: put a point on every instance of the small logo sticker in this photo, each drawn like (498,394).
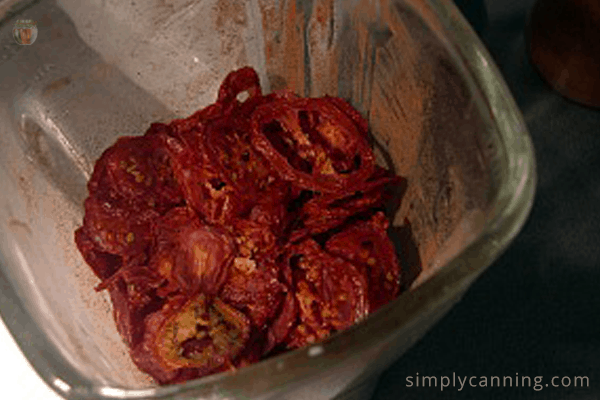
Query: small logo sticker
(25,31)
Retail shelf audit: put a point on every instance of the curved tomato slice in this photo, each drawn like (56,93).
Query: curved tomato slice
(368,245)
(284,322)
(194,337)
(102,263)
(242,80)
(313,144)
(261,233)
(242,169)
(326,211)
(202,182)
(221,175)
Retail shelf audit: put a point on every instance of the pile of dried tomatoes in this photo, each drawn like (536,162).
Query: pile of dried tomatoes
(250,228)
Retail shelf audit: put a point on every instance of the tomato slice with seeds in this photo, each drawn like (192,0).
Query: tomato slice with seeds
(136,173)
(326,211)
(253,287)
(260,234)
(118,231)
(200,333)
(242,168)
(368,245)
(312,144)
(332,294)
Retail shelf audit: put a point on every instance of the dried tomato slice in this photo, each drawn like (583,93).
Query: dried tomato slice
(202,182)
(253,287)
(332,293)
(326,211)
(136,173)
(368,245)
(221,175)
(132,292)
(102,263)
(191,255)
(118,231)
(284,322)
(242,80)
(346,108)
(241,167)
(313,143)
(195,336)
(260,234)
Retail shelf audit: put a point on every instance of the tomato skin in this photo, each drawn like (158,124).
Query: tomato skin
(117,230)
(251,227)
(244,79)
(133,296)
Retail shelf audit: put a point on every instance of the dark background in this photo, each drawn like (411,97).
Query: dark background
(535,311)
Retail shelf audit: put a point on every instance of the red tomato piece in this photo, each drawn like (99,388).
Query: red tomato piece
(284,322)
(241,167)
(326,211)
(261,233)
(132,292)
(191,337)
(119,231)
(253,287)
(103,264)
(332,293)
(192,255)
(136,173)
(312,144)
(242,80)
(202,182)
(368,245)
